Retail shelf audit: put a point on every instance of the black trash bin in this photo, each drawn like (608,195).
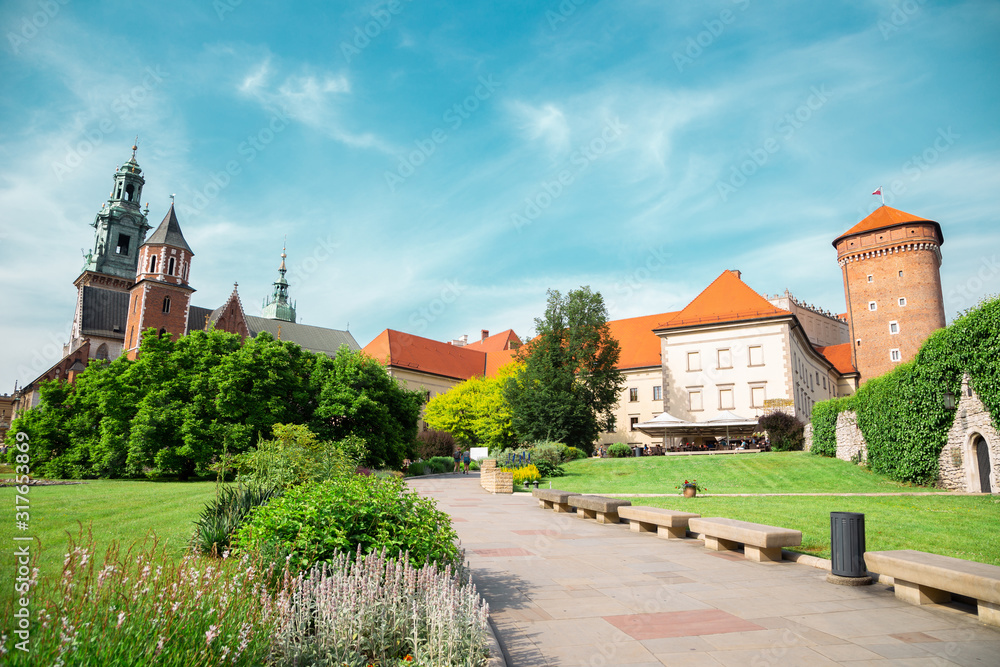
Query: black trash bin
(847,544)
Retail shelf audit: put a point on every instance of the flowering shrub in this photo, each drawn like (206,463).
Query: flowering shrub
(141,608)
(528,473)
(379,610)
(313,523)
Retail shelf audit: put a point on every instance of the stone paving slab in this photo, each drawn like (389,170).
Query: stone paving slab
(580,594)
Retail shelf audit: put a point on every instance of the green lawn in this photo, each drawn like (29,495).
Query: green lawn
(960,526)
(774,472)
(118,510)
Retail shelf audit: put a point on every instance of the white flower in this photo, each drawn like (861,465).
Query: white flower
(121,619)
(213,632)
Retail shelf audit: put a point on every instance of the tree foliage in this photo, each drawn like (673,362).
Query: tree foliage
(784,431)
(476,411)
(182,405)
(569,386)
(902,414)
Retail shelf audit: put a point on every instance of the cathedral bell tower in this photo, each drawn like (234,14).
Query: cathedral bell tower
(278,307)
(120,225)
(161,296)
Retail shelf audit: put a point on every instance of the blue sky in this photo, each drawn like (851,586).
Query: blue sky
(437,166)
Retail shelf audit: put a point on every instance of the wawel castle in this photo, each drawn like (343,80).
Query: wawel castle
(732,352)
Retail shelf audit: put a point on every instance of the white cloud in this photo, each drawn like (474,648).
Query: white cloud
(546,124)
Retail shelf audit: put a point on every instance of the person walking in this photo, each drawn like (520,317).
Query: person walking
(466,459)
(458,458)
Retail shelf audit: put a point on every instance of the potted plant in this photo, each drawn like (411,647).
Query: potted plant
(691,488)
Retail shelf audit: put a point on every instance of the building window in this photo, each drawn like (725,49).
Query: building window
(170,266)
(632,421)
(757,397)
(870,279)
(725,358)
(894,327)
(894,355)
(633,394)
(694,361)
(900,274)
(756,355)
(612,424)
(872,305)
(902,301)
(726,399)
(123,242)
(658,393)
(694,400)
(166,304)
(152,264)
(858,342)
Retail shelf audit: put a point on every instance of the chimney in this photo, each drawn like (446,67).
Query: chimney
(736,272)
(486,334)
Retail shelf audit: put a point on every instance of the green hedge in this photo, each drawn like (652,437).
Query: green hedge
(902,413)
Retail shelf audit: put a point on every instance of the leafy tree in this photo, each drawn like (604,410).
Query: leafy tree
(476,411)
(570,383)
(355,395)
(785,432)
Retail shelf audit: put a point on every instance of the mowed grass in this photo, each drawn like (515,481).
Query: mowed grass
(959,526)
(772,472)
(122,511)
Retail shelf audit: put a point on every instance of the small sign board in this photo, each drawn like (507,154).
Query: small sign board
(479,453)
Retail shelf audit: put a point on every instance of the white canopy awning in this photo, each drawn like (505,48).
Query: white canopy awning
(724,424)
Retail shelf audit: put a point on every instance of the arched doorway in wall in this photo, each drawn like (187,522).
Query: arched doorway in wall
(982,452)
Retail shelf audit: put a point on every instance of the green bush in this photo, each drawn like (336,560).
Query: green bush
(824,422)
(785,432)
(314,522)
(221,517)
(619,450)
(548,452)
(547,469)
(572,454)
(433,443)
(440,464)
(297,455)
(417,469)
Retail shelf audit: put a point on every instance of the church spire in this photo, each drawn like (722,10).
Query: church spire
(278,307)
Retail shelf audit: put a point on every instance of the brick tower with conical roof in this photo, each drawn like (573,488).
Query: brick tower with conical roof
(891,263)
(161,296)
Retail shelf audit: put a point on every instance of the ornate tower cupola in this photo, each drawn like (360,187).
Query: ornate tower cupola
(161,296)
(121,225)
(278,307)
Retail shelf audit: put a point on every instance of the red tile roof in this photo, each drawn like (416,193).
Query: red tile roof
(882,217)
(504,340)
(727,299)
(497,360)
(406,351)
(640,347)
(839,356)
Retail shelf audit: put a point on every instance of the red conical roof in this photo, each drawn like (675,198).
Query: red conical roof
(882,217)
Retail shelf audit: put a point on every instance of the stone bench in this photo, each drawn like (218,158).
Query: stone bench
(604,510)
(553,499)
(922,578)
(665,523)
(760,543)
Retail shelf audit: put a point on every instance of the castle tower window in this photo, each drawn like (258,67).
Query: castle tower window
(871,279)
(166,304)
(894,355)
(170,266)
(129,191)
(872,305)
(894,327)
(152,264)
(123,243)
(902,301)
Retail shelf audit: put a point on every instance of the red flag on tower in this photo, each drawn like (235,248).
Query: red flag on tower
(879,191)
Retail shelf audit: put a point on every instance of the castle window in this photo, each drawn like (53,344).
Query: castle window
(900,274)
(725,358)
(152,264)
(162,331)
(858,342)
(872,305)
(166,304)
(633,394)
(170,266)
(726,399)
(902,301)
(694,361)
(756,355)
(757,397)
(123,243)
(129,191)
(694,400)
(632,421)
(894,355)
(894,327)
(871,279)
(658,393)
(102,351)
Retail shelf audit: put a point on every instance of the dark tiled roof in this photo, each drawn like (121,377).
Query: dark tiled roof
(103,311)
(169,233)
(314,339)
(196,318)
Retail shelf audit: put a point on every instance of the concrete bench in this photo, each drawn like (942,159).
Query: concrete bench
(922,578)
(553,499)
(604,510)
(760,543)
(665,523)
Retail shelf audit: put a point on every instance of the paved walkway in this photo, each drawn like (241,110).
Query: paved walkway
(564,591)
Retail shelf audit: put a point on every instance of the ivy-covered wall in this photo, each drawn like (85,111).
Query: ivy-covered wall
(902,413)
